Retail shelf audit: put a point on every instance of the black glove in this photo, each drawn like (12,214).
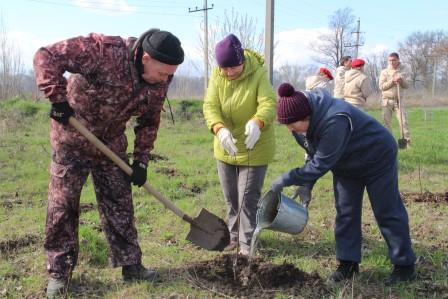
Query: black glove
(305,195)
(61,112)
(139,175)
(277,185)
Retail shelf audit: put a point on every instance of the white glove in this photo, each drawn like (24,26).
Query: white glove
(227,141)
(253,134)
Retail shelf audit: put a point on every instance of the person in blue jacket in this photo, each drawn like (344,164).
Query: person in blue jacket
(361,154)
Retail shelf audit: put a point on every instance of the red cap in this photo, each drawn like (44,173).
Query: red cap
(358,62)
(326,72)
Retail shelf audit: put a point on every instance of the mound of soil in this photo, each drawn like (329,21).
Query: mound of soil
(239,276)
(425,197)
(11,245)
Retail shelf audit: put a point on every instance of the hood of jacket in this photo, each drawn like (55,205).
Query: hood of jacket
(320,101)
(352,74)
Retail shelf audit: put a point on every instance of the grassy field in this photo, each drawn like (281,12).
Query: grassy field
(185,172)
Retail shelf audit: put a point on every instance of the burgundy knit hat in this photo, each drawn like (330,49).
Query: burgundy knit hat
(292,105)
(229,52)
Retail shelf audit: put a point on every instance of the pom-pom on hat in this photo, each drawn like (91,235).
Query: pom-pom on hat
(358,62)
(292,105)
(229,52)
(326,72)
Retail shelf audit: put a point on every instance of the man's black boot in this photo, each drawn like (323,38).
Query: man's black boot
(138,272)
(345,270)
(401,274)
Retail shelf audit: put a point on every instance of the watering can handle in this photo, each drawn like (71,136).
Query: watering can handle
(304,193)
(125,167)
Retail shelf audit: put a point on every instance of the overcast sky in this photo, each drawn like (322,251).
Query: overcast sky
(34,23)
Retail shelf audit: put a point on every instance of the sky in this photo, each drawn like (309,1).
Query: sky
(297,23)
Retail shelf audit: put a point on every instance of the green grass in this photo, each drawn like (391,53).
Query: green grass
(188,177)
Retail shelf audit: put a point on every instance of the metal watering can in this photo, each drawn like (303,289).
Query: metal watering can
(279,213)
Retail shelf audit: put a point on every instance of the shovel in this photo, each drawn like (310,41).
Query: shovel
(402,142)
(207,231)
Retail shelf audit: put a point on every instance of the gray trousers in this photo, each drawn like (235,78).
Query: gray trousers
(241,186)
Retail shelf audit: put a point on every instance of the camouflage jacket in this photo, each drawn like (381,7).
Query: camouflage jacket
(104,90)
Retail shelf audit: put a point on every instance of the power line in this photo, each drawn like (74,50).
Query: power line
(357,45)
(205,9)
(102,8)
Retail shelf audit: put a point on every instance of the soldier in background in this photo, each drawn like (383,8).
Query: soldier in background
(344,65)
(357,86)
(111,80)
(392,78)
(321,80)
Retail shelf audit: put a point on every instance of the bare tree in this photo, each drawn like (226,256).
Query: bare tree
(374,64)
(11,66)
(243,26)
(331,46)
(294,74)
(419,51)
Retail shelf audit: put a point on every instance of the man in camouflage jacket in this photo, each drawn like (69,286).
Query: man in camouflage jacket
(112,79)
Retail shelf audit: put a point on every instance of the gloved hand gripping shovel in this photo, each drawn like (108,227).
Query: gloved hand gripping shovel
(402,142)
(207,230)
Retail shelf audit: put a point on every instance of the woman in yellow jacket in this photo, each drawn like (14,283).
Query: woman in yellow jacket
(239,109)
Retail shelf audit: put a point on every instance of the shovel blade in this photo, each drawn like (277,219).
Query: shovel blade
(208,231)
(402,143)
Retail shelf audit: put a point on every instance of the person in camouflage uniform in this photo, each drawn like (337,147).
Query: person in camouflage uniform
(111,80)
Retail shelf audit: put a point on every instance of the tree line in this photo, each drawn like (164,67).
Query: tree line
(425,54)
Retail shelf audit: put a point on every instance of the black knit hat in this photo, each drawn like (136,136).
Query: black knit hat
(163,46)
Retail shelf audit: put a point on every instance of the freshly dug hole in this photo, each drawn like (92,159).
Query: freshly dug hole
(237,275)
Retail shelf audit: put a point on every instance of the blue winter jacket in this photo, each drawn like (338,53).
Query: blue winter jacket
(343,139)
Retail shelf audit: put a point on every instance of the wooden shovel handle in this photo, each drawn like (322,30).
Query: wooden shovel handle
(401,111)
(125,167)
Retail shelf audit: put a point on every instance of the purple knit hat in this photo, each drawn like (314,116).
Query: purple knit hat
(229,52)
(292,105)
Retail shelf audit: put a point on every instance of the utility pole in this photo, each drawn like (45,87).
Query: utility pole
(357,45)
(205,9)
(434,76)
(269,39)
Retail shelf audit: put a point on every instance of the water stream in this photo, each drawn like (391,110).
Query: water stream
(254,242)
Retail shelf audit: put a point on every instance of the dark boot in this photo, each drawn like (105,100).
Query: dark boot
(345,270)
(138,272)
(401,274)
(56,288)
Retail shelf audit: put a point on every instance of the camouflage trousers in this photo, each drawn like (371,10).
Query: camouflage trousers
(389,106)
(114,198)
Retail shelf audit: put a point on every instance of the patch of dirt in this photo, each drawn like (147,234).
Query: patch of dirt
(155,157)
(195,189)
(85,207)
(425,197)
(238,276)
(171,172)
(10,245)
